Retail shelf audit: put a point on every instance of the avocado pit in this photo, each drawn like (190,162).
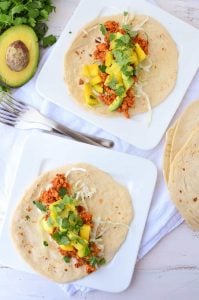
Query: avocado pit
(17,56)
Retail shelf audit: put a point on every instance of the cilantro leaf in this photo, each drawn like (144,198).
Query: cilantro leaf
(112,83)
(103,29)
(48,40)
(111,36)
(62,192)
(127,70)
(60,238)
(102,68)
(97,261)
(128,29)
(18,9)
(67,259)
(39,205)
(5,5)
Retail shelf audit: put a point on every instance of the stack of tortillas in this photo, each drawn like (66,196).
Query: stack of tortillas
(181,164)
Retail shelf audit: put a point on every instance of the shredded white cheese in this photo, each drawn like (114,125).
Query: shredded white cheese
(140,93)
(74,170)
(146,64)
(138,27)
(89,29)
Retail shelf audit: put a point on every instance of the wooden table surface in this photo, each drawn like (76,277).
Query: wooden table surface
(169,271)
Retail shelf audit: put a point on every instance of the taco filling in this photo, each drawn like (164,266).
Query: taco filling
(112,78)
(121,65)
(71,221)
(69,224)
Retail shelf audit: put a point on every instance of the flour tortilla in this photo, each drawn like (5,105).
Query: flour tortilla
(111,202)
(183,180)
(188,121)
(167,151)
(158,82)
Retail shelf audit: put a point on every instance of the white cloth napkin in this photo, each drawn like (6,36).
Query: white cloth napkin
(163,216)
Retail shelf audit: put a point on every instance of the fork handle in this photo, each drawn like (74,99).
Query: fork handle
(82,137)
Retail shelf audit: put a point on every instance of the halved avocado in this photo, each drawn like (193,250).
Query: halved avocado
(19,55)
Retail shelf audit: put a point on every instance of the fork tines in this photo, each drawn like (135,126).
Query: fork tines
(10,104)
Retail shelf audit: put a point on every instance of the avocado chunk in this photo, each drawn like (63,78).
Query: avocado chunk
(19,57)
(116,103)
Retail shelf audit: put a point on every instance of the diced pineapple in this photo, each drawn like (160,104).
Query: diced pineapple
(108,59)
(90,70)
(95,80)
(140,53)
(67,247)
(98,88)
(85,231)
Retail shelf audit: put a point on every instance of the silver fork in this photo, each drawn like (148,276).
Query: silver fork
(20,115)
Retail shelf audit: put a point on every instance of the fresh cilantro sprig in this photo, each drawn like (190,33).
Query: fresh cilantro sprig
(39,205)
(34,13)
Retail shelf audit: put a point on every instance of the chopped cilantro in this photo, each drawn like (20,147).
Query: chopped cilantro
(127,70)
(60,238)
(128,29)
(39,205)
(112,83)
(97,261)
(111,36)
(48,40)
(103,29)
(102,68)
(45,243)
(125,13)
(67,259)
(62,192)
(124,40)
(68,200)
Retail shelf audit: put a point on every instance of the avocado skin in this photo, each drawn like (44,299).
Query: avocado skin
(27,35)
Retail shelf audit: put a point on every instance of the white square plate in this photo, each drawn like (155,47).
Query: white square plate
(43,152)
(50,83)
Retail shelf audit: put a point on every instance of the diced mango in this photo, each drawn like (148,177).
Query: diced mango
(87,91)
(85,71)
(98,88)
(88,96)
(108,59)
(95,80)
(85,231)
(140,53)
(46,227)
(90,70)
(92,101)
(134,58)
(67,247)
